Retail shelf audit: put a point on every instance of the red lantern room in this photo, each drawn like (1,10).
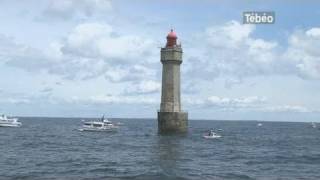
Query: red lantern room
(171,39)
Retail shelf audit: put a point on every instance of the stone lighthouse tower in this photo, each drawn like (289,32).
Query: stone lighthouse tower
(170,116)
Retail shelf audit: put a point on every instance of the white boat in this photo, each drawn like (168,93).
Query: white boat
(102,125)
(211,135)
(314,125)
(9,122)
(259,124)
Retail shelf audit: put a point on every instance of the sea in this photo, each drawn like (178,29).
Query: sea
(54,148)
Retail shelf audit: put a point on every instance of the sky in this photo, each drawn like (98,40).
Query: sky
(85,58)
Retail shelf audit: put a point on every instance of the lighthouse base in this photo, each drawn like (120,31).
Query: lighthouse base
(172,122)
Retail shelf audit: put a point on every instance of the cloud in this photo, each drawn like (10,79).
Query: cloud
(46,90)
(100,51)
(7,98)
(231,52)
(144,87)
(97,40)
(67,9)
(288,108)
(90,50)
(313,32)
(303,53)
(230,82)
(16,101)
(230,35)
(227,51)
(58,83)
(111,99)
(226,103)
(190,87)
(11,52)
(245,104)
(236,103)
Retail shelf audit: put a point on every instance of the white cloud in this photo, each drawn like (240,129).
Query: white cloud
(230,51)
(16,101)
(134,73)
(67,9)
(303,53)
(96,40)
(288,108)
(22,56)
(313,32)
(228,103)
(230,35)
(144,87)
(96,49)
(111,99)
(117,57)
(89,51)
(46,90)
(244,104)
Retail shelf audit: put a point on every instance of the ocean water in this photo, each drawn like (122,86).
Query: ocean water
(52,148)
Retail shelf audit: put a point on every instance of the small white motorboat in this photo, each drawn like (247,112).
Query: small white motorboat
(9,122)
(259,124)
(211,135)
(314,125)
(102,125)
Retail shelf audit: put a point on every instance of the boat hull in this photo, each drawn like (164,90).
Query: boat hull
(98,129)
(10,125)
(211,137)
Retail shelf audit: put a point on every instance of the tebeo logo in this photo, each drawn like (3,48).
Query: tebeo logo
(258,17)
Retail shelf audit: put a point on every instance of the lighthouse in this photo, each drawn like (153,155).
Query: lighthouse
(171,118)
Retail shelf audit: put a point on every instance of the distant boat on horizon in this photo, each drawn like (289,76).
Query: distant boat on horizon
(313,124)
(259,124)
(9,122)
(102,125)
(211,135)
